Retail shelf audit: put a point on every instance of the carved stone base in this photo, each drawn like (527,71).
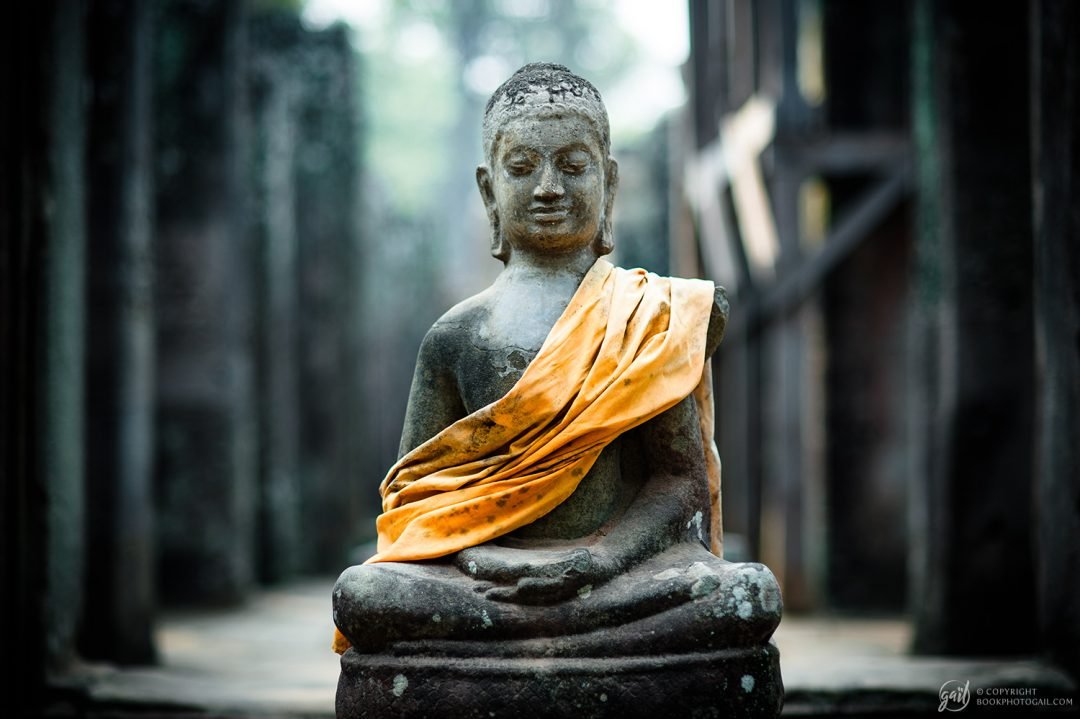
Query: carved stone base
(738,682)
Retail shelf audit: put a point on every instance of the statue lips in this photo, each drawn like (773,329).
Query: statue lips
(549,214)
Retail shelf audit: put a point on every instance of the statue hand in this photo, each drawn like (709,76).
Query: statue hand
(540,590)
(532,576)
(506,565)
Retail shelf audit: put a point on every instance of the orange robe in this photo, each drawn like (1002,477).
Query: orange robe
(628,346)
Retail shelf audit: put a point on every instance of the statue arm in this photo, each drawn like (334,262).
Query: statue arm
(672,506)
(717,321)
(434,399)
(673,503)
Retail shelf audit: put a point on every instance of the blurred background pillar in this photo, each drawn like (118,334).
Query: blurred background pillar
(120,595)
(206,429)
(331,316)
(275,83)
(1055,97)
(974,589)
(866,106)
(42,248)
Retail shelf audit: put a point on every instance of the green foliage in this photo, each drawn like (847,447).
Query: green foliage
(293,6)
(410,109)
(420,92)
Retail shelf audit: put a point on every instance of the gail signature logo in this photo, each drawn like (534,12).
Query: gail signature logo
(954,696)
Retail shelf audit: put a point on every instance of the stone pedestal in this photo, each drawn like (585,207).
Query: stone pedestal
(727,683)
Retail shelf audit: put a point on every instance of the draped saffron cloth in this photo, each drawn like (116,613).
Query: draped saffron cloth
(628,346)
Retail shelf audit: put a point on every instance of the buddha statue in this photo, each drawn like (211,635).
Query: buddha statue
(551,528)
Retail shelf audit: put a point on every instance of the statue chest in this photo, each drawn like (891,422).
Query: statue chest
(498,352)
(506,334)
(485,373)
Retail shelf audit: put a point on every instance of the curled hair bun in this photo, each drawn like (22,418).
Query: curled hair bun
(540,84)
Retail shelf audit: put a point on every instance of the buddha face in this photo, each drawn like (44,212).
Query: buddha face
(550,185)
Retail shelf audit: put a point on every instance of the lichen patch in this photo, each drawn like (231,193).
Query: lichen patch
(695,522)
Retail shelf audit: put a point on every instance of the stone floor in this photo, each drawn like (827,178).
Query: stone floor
(268,658)
(271,658)
(850,667)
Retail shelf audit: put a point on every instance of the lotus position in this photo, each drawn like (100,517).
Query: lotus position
(557,492)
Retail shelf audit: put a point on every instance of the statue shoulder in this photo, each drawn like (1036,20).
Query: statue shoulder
(435,400)
(456,328)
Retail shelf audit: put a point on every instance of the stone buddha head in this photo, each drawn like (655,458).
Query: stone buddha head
(548,182)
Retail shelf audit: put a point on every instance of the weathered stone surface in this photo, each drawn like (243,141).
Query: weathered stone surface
(738,682)
(683,599)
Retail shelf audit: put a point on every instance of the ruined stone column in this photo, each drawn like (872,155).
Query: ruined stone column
(328,207)
(42,249)
(1055,96)
(120,598)
(205,464)
(866,76)
(974,589)
(275,85)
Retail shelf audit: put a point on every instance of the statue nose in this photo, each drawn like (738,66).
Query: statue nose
(549,187)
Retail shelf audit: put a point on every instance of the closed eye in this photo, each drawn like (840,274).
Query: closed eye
(574,161)
(520,163)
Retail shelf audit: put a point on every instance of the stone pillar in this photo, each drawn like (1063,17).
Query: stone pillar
(275,84)
(204,275)
(738,381)
(41,331)
(119,382)
(973,573)
(328,205)
(867,525)
(866,79)
(1055,97)
(60,424)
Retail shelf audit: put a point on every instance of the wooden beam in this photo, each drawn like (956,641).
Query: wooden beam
(845,153)
(849,232)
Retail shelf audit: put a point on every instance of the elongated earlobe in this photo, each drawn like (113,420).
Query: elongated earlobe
(605,241)
(499,248)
